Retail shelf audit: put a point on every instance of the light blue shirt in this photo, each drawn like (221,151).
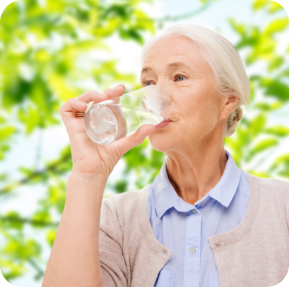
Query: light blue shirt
(184,228)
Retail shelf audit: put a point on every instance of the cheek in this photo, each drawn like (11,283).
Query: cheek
(201,114)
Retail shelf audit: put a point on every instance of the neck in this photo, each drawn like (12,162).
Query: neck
(195,175)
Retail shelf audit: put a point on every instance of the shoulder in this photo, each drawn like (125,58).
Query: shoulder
(127,202)
(271,186)
(127,197)
(272,183)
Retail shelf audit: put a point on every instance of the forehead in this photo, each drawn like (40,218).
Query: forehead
(173,49)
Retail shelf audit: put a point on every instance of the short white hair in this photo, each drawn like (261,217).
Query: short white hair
(224,59)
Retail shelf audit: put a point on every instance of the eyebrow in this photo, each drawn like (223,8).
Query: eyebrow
(171,65)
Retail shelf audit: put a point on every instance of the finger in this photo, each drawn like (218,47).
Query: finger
(79,104)
(135,139)
(70,106)
(115,92)
(92,96)
(95,97)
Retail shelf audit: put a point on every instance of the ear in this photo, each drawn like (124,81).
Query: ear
(230,104)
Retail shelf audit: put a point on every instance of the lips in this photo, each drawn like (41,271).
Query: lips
(163,124)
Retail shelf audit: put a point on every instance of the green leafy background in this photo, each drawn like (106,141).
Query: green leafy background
(46,58)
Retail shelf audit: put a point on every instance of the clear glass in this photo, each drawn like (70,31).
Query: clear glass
(111,120)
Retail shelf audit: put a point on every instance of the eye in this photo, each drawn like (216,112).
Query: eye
(147,82)
(178,76)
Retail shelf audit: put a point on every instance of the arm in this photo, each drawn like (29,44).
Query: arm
(74,259)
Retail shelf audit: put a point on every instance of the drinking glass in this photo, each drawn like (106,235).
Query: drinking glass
(113,119)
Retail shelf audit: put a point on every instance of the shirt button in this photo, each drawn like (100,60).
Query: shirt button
(217,241)
(192,250)
(194,211)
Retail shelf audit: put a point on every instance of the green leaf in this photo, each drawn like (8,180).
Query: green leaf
(284,173)
(267,107)
(275,63)
(128,34)
(277,25)
(4,148)
(275,88)
(239,28)
(251,38)
(264,144)
(281,162)
(259,4)
(252,91)
(257,124)
(50,236)
(279,131)
(276,106)
(4,176)
(284,73)
(274,6)
(57,197)
(31,117)
(10,8)
(2,120)
(7,132)
(20,249)
(264,49)
(11,270)
(15,91)
(121,185)
(13,220)
(41,217)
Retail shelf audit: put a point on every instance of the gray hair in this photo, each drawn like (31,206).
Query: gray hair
(224,59)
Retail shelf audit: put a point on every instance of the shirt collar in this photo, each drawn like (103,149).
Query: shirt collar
(166,197)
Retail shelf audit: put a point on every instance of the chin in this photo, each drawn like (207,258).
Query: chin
(160,141)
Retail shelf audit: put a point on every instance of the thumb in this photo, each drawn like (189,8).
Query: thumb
(135,139)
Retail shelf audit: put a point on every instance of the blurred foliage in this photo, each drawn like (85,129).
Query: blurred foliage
(253,137)
(43,46)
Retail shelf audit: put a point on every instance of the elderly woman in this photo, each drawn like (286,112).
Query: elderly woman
(202,221)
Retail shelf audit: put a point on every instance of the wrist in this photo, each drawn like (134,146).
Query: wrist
(84,189)
(87,176)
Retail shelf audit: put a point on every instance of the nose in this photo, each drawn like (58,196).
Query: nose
(162,83)
(165,87)
(166,113)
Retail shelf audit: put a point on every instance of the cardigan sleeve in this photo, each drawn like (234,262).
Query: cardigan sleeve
(113,266)
(287,207)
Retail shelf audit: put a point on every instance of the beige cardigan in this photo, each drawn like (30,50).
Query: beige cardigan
(253,254)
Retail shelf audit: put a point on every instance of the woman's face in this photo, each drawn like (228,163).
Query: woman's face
(176,65)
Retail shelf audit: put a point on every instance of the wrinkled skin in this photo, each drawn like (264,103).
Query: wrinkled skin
(193,142)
